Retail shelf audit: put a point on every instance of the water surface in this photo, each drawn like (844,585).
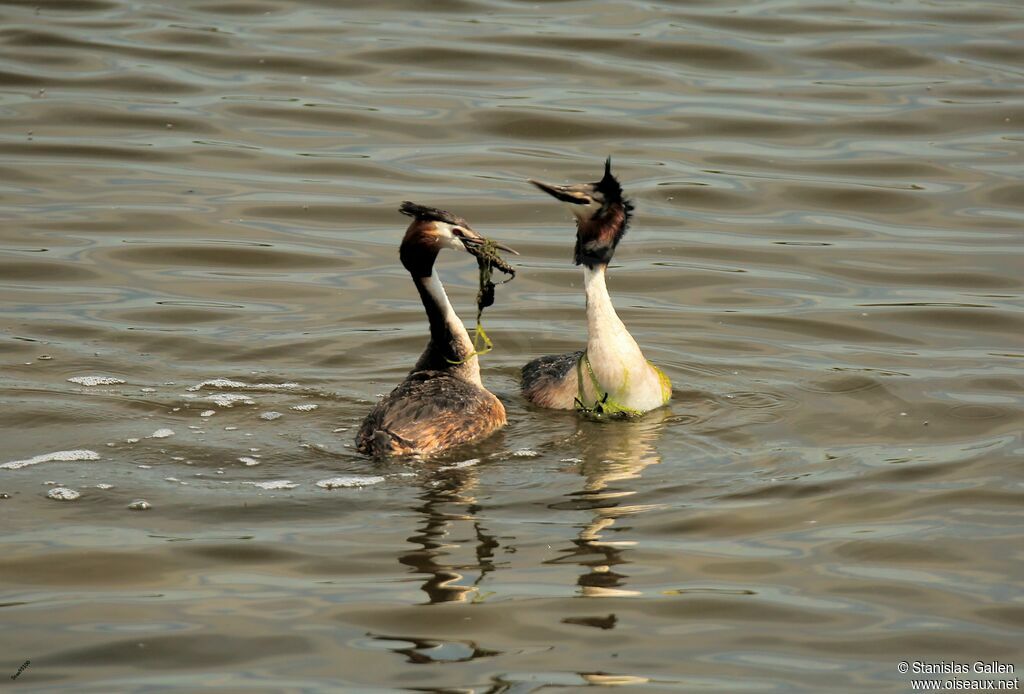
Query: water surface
(199,207)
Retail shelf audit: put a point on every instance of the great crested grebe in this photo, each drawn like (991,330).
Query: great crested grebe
(611,375)
(442,402)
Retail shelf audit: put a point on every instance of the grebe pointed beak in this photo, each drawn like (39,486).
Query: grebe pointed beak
(574,195)
(507,249)
(474,242)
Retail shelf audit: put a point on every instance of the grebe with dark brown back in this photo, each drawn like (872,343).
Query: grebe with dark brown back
(442,402)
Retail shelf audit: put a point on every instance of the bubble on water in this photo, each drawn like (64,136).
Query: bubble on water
(161,434)
(60,456)
(305,407)
(140,505)
(270,416)
(96,380)
(349,481)
(62,494)
(248,461)
(207,413)
(275,484)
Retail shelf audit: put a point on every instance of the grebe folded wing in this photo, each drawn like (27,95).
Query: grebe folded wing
(551,381)
(428,412)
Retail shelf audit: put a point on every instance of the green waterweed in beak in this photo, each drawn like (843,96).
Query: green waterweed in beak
(487,258)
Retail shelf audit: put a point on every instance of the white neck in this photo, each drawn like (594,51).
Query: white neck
(619,365)
(603,325)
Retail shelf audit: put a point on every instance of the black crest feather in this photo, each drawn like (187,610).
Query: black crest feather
(609,185)
(430,214)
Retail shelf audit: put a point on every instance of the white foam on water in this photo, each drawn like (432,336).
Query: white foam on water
(216,383)
(104,485)
(525,453)
(349,481)
(305,407)
(457,466)
(571,460)
(229,399)
(161,434)
(96,380)
(207,413)
(132,440)
(228,383)
(60,456)
(148,390)
(248,461)
(62,494)
(270,416)
(275,484)
(140,505)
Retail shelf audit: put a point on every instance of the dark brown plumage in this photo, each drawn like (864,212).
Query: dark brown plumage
(428,412)
(551,381)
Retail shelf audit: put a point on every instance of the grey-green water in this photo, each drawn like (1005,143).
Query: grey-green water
(826,260)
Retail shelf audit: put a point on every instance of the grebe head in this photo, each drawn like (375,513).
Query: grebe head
(433,230)
(601,211)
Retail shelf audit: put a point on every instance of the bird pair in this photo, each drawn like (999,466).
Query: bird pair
(443,403)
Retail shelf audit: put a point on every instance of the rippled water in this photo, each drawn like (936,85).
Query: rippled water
(199,204)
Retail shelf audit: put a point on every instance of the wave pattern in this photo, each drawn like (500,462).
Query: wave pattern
(199,219)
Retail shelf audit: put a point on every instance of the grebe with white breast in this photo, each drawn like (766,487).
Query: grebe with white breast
(442,402)
(611,375)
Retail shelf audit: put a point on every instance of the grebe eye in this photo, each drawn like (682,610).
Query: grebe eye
(458,232)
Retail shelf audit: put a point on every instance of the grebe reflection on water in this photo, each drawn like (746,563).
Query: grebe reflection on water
(611,375)
(442,402)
